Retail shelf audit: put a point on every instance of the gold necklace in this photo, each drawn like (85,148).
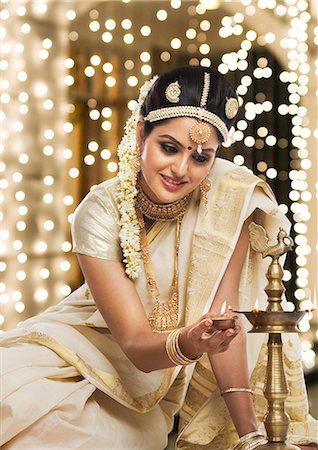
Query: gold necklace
(164,316)
(166,212)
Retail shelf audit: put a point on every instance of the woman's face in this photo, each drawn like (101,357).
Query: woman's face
(170,165)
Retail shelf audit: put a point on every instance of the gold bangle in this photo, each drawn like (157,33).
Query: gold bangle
(250,444)
(251,435)
(254,444)
(250,441)
(231,390)
(174,352)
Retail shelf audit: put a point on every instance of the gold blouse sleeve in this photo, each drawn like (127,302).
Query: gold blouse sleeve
(95,225)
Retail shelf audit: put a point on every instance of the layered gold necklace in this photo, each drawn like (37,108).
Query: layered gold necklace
(166,212)
(164,316)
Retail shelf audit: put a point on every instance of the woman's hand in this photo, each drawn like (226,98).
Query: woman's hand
(202,337)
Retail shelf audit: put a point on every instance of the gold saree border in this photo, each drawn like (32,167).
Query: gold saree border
(215,237)
(207,424)
(112,385)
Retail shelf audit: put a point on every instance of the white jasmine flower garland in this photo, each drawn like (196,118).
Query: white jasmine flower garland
(128,158)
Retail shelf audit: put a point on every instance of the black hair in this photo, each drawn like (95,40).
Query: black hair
(191,81)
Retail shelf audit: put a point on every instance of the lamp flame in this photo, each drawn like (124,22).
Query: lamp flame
(223,309)
(256,306)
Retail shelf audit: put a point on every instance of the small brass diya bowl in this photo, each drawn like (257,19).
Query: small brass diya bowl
(274,321)
(224,322)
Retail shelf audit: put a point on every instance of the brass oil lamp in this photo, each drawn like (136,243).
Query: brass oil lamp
(274,321)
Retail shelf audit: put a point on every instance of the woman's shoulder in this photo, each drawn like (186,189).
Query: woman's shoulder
(95,223)
(103,194)
(106,189)
(224,171)
(101,201)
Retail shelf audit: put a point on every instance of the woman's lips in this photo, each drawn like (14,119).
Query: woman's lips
(171,183)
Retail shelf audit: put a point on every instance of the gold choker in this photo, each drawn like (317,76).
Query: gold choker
(166,212)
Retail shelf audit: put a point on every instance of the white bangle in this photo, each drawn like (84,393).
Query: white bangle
(255,444)
(249,436)
(230,390)
(250,441)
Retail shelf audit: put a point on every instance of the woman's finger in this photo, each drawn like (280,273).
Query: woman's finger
(204,326)
(217,338)
(229,332)
(220,340)
(232,331)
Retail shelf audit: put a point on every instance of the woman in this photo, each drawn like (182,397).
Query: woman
(161,246)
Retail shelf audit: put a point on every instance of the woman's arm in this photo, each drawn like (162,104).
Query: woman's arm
(230,368)
(118,301)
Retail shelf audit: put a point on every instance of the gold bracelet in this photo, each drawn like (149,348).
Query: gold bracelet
(230,390)
(256,442)
(251,435)
(171,348)
(174,352)
(250,444)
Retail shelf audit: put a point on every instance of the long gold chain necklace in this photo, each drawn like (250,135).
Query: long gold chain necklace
(164,316)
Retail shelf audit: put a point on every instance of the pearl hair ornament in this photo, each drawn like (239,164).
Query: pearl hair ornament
(200,132)
(231,107)
(171,112)
(173,92)
(205,91)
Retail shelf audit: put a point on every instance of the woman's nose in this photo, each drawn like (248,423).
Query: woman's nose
(180,166)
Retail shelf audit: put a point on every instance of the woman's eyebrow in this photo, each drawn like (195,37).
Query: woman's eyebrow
(182,146)
(172,139)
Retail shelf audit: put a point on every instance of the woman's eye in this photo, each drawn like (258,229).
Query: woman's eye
(200,158)
(169,148)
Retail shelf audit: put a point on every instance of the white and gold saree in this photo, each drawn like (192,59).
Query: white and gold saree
(67,384)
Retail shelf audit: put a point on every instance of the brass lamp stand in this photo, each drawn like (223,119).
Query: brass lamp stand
(274,321)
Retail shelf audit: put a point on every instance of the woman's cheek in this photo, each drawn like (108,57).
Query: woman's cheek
(203,171)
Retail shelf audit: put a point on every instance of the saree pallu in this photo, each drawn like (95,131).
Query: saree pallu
(204,419)
(67,383)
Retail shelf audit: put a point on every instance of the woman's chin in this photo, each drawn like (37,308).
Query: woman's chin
(162,194)
(169,197)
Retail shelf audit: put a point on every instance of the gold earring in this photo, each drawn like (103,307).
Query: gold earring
(135,164)
(205,186)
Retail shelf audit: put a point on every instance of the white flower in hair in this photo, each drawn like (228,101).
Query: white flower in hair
(126,193)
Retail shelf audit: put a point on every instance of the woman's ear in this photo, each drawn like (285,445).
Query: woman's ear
(140,131)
